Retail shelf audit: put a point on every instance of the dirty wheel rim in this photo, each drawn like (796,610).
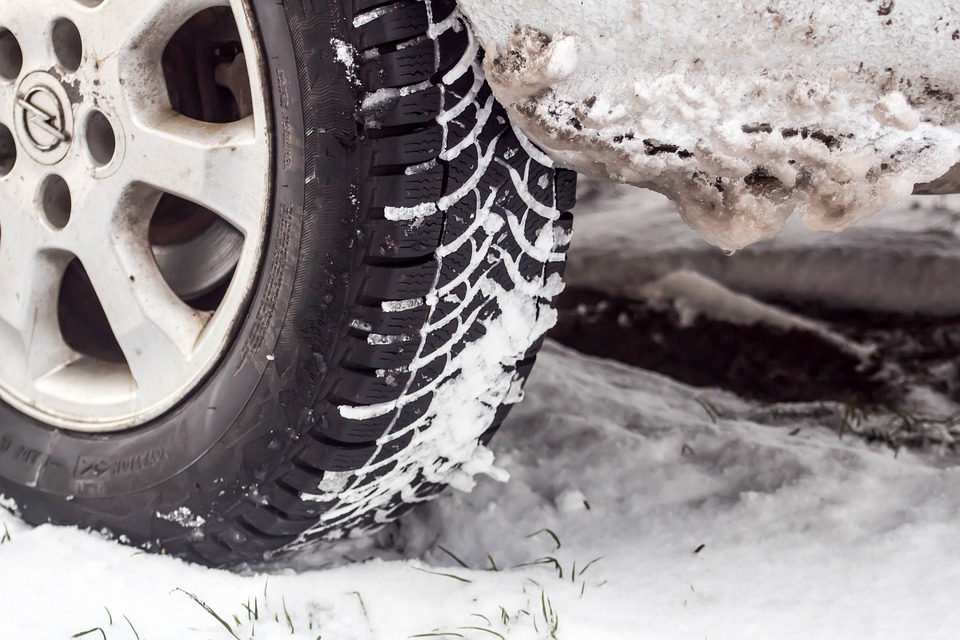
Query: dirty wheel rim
(134,194)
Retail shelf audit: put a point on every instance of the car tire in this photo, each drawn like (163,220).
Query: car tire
(413,248)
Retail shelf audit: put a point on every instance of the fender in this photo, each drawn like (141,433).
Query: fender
(742,112)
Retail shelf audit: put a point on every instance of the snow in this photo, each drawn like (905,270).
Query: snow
(184,517)
(346,55)
(626,238)
(418,212)
(741,111)
(693,295)
(626,473)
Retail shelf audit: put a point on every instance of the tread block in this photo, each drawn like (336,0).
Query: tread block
(554,268)
(390,323)
(240,535)
(363,388)
(430,372)
(361,353)
(533,226)
(540,183)
(535,348)
(525,367)
(400,68)
(404,190)
(440,337)
(272,522)
(392,283)
(452,45)
(329,456)
(213,553)
(302,478)
(409,148)
(398,240)
(512,153)
(368,479)
(450,336)
(403,23)
(288,501)
(460,217)
(442,9)
(499,417)
(464,125)
(566,189)
(394,447)
(420,107)
(462,168)
(334,426)
(459,90)
(454,265)
(501,276)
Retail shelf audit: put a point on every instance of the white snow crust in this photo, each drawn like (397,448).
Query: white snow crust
(804,536)
(741,111)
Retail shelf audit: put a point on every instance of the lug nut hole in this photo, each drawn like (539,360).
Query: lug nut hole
(11,57)
(56,201)
(101,139)
(67,44)
(8,151)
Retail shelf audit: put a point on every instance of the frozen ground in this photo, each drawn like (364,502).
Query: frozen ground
(638,507)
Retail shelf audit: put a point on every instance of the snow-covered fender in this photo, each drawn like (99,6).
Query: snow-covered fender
(742,111)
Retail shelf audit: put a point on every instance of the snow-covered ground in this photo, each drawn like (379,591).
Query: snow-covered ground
(637,508)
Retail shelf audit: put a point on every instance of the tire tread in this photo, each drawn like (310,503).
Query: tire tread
(386,350)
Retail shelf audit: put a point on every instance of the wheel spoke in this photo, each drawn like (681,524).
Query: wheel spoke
(20,296)
(218,166)
(155,330)
(26,26)
(144,25)
(8,98)
(28,307)
(12,212)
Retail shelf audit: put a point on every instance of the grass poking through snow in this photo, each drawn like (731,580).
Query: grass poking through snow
(536,611)
(209,610)
(444,575)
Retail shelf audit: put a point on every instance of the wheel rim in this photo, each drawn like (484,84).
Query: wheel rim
(135,157)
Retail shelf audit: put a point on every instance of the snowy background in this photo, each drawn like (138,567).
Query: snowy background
(638,506)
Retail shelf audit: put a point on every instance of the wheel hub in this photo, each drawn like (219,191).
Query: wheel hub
(44,118)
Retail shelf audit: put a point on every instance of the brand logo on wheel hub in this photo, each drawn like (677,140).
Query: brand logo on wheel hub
(44,119)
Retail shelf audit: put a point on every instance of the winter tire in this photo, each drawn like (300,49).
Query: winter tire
(271,271)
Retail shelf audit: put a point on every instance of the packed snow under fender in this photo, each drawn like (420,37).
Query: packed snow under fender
(743,112)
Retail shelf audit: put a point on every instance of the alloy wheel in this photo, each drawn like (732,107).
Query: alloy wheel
(134,192)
